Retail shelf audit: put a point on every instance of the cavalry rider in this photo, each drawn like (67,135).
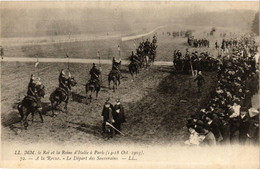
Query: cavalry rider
(134,58)
(115,65)
(63,81)
(94,73)
(154,39)
(32,86)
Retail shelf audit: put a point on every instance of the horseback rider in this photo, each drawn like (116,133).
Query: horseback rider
(94,73)
(146,46)
(32,86)
(32,92)
(63,81)
(115,65)
(134,58)
(154,39)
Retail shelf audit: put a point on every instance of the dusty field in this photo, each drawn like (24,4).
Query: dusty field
(153,110)
(108,48)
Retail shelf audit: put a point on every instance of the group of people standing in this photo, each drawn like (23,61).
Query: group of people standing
(229,117)
(198,62)
(113,117)
(198,42)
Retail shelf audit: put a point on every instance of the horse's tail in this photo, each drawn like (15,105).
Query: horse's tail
(20,109)
(53,96)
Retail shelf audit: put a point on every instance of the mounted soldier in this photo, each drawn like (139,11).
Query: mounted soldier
(32,86)
(94,73)
(134,58)
(63,80)
(154,39)
(116,65)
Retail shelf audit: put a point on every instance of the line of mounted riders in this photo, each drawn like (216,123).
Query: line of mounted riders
(193,62)
(144,56)
(31,103)
(197,42)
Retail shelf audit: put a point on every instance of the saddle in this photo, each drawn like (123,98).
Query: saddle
(33,99)
(95,82)
(62,90)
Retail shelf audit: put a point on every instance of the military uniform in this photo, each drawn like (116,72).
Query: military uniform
(119,115)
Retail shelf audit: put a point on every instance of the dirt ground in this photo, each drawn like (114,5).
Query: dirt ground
(154,112)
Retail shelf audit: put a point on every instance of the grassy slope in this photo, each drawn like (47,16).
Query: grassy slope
(153,111)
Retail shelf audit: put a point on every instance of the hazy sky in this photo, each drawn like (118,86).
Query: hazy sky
(193,6)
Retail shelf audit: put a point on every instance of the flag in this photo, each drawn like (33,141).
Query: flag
(36,64)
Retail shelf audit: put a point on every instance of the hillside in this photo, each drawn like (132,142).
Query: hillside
(233,18)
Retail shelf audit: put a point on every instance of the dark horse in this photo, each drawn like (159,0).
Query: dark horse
(92,86)
(114,76)
(31,104)
(62,95)
(133,68)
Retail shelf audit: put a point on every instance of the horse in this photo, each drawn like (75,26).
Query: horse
(133,68)
(31,104)
(115,77)
(92,86)
(62,95)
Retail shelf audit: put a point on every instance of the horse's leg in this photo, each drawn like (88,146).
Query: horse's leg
(66,105)
(114,82)
(32,116)
(53,106)
(25,122)
(90,95)
(97,93)
(20,109)
(40,114)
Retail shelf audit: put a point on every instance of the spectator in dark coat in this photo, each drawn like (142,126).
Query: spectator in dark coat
(119,114)
(244,121)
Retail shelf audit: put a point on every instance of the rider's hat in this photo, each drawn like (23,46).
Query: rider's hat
(117,100)
(107,100)
(62,71)
(94,64)
(32,77)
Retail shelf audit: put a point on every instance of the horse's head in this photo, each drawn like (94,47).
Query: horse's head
(40,90)
(72,81)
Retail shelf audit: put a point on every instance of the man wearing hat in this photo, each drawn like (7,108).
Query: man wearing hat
(243,125)
(63,80)
(107,114)
(200,81)
(32,86)
(119,114)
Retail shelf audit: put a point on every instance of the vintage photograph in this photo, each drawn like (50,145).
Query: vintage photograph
(120,74)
